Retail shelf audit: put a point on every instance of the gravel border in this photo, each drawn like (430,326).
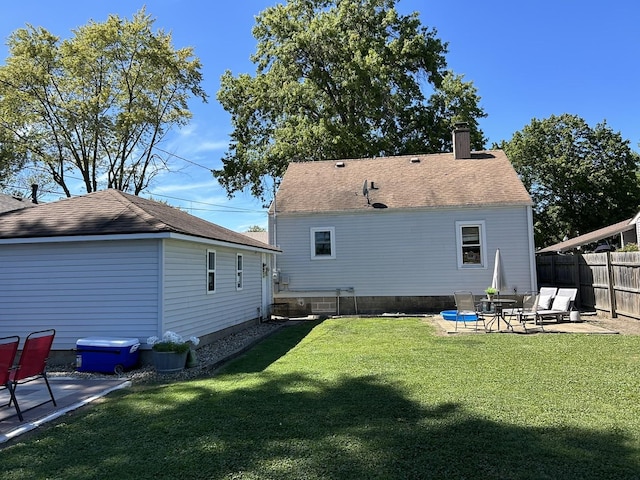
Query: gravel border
(209,356)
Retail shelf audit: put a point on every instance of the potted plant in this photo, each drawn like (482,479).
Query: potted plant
(171,351)
(490,291)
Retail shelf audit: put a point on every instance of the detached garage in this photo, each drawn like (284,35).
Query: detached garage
(114,264)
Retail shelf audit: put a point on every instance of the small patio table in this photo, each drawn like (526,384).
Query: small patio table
(498,304)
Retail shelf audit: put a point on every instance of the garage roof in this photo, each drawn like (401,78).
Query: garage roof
(591,237)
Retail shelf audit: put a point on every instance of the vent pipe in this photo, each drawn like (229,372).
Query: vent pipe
(34,193)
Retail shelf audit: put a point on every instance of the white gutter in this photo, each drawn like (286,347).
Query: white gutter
(134,236)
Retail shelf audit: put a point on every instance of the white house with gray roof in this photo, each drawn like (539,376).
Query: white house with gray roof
(117,265)
(399,234)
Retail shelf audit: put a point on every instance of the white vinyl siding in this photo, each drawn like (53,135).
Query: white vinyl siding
(404,253)
(80,289)
(124,289)
(188,309)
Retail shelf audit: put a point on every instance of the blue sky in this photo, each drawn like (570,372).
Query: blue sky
(527,60)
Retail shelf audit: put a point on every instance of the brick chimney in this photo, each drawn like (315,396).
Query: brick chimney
(461,141)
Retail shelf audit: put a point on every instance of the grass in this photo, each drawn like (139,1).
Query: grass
(367,399)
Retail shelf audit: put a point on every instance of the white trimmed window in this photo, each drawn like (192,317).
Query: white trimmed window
(239,262)
(471,244)
(211,271)
(323,243)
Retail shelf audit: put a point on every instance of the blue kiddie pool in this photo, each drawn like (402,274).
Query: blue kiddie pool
(451,315)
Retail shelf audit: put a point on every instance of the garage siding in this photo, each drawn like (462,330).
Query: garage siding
(80,288)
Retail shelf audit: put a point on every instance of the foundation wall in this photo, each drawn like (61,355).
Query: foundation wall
(362,305)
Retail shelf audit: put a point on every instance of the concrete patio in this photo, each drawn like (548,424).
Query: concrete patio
(549,327)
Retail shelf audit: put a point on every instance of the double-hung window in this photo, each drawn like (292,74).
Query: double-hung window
(323,243)
(239,261)
(471,245)
(211,271)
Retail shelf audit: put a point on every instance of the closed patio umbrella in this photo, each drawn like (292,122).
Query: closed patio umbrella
(499,281)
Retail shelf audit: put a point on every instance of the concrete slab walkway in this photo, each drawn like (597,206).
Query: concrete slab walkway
(70,393)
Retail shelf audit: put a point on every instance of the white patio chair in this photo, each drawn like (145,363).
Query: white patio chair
(547,294)
(562,304)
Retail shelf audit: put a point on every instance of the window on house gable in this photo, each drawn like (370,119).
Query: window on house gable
(211,271)
(470,244)
(323,243)
(239,269)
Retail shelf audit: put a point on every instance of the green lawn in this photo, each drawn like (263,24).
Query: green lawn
(367,399)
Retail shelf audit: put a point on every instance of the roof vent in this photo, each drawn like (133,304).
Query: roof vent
(415,160)
(340,164)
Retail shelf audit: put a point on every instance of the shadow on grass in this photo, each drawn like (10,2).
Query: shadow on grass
(269,350)
(305,426)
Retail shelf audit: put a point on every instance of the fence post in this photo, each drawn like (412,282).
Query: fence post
(576,276)
(612,293)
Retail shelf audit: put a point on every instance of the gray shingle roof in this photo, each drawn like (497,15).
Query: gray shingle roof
(8,203)
(112,212)
(436,180)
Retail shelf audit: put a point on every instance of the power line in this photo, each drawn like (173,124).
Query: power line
(184,159)
(216,207)
(226,207)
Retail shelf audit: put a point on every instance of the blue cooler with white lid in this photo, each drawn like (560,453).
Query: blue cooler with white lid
(106,354)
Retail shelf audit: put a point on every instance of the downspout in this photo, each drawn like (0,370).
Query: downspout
(275,226)
(274,286)
(532,250)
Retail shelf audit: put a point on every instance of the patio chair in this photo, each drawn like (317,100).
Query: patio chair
(513,312)
(467,308)
(8,350)
(529,310)
(547,294)
(32,364)
(561,306)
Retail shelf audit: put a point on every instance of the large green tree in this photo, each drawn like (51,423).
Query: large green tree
(581,178)
(96,104)
(11,157)
(340,79)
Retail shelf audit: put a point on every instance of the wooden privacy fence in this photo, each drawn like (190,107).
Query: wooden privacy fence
(606,282)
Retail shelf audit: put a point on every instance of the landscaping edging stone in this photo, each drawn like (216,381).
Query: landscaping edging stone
(210,357)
